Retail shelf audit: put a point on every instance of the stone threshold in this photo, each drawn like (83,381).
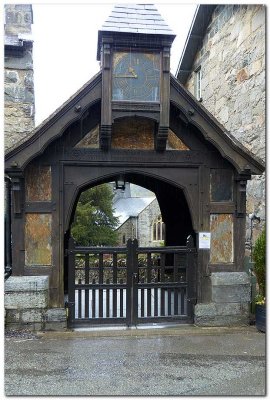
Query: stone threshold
(182,330)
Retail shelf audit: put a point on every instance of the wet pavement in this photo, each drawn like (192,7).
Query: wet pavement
(152,362)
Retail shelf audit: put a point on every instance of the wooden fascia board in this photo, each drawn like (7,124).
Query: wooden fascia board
(229,147)
(54,126)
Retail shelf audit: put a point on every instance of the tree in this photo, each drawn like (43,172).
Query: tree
(94,223)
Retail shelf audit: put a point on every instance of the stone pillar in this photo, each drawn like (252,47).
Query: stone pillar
(26,305)
(231,296)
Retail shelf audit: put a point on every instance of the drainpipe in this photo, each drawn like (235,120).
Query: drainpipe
(8,257)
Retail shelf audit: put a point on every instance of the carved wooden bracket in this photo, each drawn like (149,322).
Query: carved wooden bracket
(105,137)
(106,56)
(161,138)
(166,59)
(241,182)
(17,194)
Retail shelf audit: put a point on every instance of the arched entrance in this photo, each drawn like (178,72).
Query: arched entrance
(130,284)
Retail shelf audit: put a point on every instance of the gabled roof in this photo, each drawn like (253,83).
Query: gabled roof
(52,128)
(195,36)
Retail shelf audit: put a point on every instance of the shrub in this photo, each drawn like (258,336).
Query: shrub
(259,258)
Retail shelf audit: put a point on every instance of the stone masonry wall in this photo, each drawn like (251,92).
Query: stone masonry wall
(232,60)
(19,106)
(230,301)
(26,305)
(127,230)
(145,222)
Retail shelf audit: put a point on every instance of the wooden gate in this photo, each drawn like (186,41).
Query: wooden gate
(131,285)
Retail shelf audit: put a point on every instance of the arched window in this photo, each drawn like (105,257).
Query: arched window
(158,229)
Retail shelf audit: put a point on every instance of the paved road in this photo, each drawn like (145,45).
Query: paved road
(184,361)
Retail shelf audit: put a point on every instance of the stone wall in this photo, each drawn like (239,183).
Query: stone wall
(127,231)
(141,227)
(145,222)
(19,109)
(230,301)
(232,61)
(26,305)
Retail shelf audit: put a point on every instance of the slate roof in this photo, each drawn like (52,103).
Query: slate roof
(136,18)
(130,207)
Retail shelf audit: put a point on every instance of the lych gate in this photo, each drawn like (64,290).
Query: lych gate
(133,120)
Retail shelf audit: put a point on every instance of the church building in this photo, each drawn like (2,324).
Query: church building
(223,66)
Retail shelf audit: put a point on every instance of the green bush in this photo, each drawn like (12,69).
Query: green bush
(259,258)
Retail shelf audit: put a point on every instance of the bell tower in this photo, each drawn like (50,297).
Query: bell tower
(134,50)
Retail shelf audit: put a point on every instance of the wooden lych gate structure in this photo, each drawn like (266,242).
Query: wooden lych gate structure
(136,121)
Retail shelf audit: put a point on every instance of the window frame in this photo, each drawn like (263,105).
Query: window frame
(158,229)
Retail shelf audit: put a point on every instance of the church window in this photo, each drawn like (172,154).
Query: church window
(158,229)
(124,239)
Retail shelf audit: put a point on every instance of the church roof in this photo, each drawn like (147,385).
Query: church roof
(136,18)
(130,207)
(194,39)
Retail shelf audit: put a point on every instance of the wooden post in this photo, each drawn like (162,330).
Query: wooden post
(191,276)
(135,278)
(71,280)
(129,282)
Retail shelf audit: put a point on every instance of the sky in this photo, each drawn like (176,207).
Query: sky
(65,47)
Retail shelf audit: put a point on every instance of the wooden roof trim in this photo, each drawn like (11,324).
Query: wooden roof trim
(194,38)
(222,139)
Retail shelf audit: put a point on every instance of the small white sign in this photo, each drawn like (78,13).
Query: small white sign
(204,240)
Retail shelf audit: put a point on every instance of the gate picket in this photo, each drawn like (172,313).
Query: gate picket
(131,285)
(86,282)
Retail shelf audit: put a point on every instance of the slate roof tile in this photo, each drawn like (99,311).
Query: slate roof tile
(140,18)
(130,207)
